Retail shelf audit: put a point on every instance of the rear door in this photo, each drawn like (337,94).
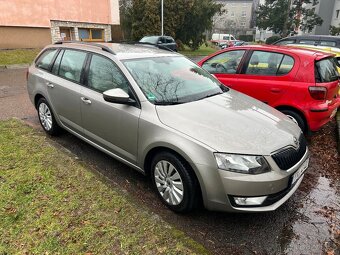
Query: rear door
(65,85)
(226,66)
(266,76)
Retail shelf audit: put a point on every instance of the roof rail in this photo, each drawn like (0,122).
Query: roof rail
(103,47)
(155,45)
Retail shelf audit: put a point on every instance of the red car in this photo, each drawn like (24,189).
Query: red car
(301,83)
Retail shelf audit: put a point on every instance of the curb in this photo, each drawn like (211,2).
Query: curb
(15,66)
(338,128)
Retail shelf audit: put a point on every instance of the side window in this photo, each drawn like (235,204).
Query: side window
(45,59)
(226,62)
(286,65)
(71,65)
(264,63)
(56,65)
(328,43)
(169,40)
(104,75)
(308,42)
(285,42)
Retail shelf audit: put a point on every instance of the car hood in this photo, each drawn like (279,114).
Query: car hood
(232,122)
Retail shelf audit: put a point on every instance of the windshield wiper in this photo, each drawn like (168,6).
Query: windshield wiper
(167,103)
(211,95)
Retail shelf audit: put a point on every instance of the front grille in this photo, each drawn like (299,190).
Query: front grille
(287,158)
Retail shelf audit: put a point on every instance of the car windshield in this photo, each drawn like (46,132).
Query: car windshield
(150,39)
(172,80)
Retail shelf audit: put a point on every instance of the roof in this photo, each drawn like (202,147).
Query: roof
(285,49)
(330,37)
(121,51)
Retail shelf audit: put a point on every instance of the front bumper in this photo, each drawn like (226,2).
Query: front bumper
(275,185)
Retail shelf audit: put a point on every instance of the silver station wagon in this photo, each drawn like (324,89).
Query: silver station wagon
(164,116)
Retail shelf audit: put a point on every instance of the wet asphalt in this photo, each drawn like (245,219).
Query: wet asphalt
(308,223)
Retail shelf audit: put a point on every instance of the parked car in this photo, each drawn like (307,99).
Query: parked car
(222,39)
(316,40)
(331,50)
(166,41)
(164,116)
(301,83)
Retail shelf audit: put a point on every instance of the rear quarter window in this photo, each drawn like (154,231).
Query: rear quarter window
(325,71)
(45,59)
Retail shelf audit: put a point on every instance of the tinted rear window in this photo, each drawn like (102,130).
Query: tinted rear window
(326,71)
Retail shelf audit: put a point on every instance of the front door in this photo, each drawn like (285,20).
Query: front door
(112,126)
(225,66)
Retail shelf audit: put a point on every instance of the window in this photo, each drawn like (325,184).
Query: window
(244,14)
(328,43)
(226,62)
(56,65)
(232,14)
(243,24)
(285,42)
(91,34)
(105,75)
(286,65)
(169,40)
(71,65)
(308,42)
(337,14)
(45,59)
(268,63)
(326,70)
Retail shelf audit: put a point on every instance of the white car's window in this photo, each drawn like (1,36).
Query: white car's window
(104,75)
(45,59)
(71,65)
(308,42)
(226,62)
(172,80)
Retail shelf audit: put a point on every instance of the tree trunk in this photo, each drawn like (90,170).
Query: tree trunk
(285,24)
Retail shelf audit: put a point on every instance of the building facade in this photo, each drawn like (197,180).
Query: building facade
(36,23)
(327,10)
(237,19)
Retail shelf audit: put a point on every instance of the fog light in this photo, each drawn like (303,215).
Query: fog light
(249,200)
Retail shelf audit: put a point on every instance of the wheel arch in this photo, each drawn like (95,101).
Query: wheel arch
(161,148)
(294,109)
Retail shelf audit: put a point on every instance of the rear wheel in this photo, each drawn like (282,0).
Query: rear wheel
(46,117)
(296,118)
(174,182)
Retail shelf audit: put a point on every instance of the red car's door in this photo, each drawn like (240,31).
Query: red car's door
(225,66)
(266,76)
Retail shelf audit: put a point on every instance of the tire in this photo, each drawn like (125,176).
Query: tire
(295,117)
(46,118)
(174,182)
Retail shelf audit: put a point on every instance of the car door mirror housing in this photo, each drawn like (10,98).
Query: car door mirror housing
(117,96)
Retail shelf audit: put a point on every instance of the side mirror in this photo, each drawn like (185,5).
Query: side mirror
(117,96)
(159,42)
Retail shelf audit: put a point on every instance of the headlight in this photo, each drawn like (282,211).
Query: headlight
(242,163)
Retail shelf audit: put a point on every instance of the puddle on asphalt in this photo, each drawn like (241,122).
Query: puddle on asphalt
(317,227)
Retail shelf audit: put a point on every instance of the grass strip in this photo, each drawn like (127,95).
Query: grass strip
(50,203)
(202,51)
(19,56)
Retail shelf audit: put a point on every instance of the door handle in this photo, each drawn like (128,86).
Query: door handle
(275,90)
(85,100)
(50,85)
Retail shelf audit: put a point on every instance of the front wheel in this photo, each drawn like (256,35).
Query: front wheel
(296,118)
(46,117)
(174,182)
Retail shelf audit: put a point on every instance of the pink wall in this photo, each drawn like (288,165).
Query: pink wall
(38,13)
